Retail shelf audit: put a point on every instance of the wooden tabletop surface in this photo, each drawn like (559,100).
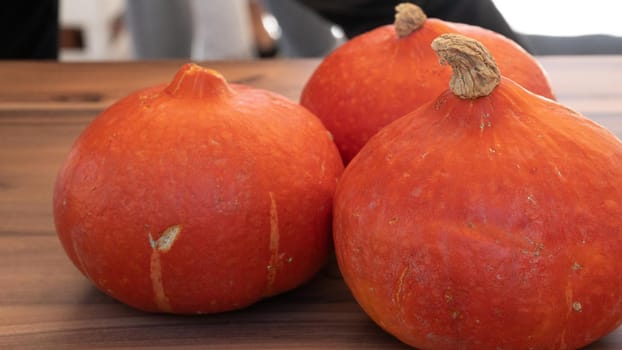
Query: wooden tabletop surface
(46,303)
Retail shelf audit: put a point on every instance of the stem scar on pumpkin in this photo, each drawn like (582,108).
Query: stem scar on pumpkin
(163,244)
(399,288)
(273,246)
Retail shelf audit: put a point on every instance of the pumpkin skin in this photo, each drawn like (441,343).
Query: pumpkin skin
(199,196)
(377,77)
(488,223)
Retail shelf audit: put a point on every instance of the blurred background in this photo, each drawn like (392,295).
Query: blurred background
(243,29)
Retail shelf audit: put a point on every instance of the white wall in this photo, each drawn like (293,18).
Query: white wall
(562,17)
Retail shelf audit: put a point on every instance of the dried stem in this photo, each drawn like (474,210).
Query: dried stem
(408,18)
(475,73)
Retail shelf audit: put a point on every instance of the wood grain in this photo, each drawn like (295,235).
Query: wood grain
(46,304)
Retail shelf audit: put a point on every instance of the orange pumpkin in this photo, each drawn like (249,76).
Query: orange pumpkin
(387,72)
(489,218)
(198,196)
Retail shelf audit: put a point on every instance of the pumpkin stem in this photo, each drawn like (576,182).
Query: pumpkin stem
(194,81)
(475,73)
(408,18)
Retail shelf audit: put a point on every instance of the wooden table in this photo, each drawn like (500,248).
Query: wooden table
(46,303)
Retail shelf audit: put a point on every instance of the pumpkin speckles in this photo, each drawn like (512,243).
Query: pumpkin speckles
(531,199)
(514,229)
(379,76)
(198,196)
